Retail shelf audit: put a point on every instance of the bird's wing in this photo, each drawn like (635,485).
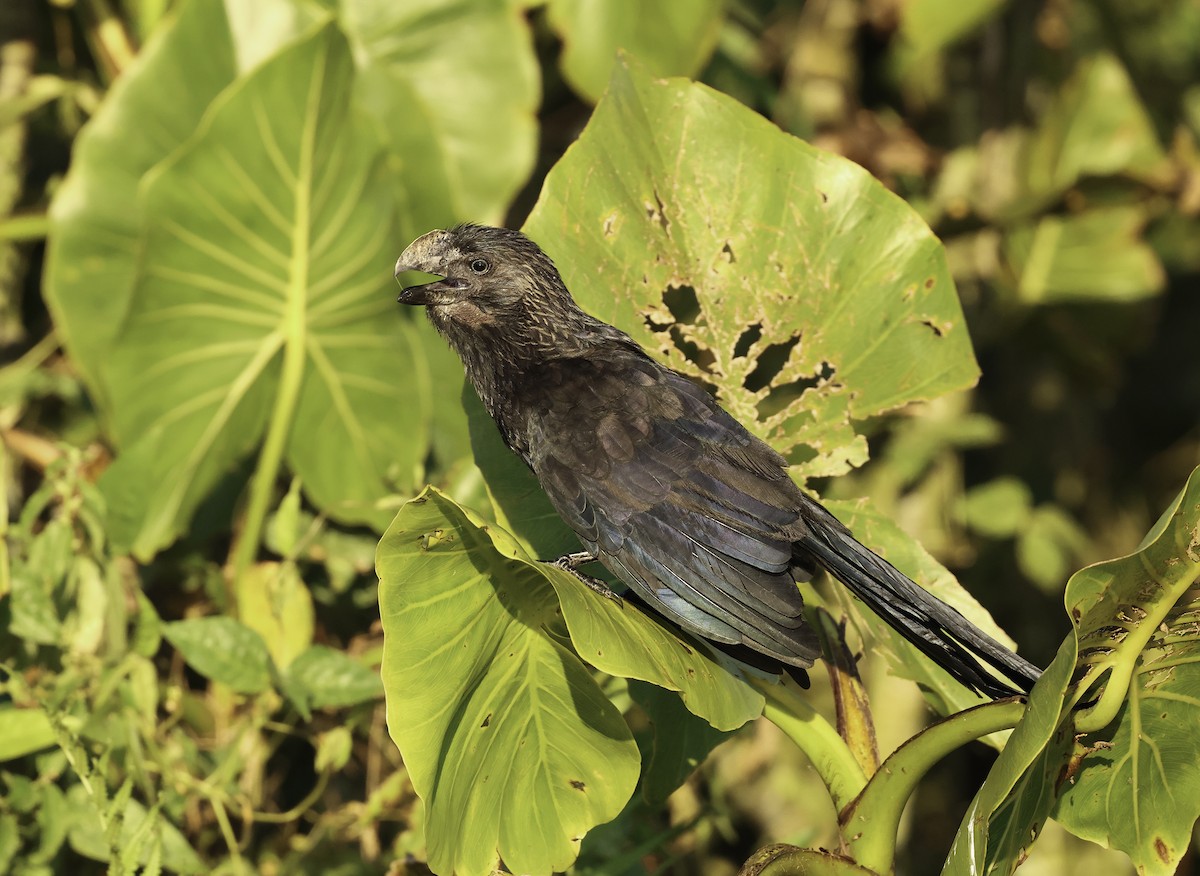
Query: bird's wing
(675,497)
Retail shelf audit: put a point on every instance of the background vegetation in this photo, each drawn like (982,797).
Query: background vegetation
(211,409)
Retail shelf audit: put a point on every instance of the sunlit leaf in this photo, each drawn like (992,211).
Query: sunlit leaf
(507,738)
(263,305)
(454,88)
(671,39)
(326,678)
(786,277)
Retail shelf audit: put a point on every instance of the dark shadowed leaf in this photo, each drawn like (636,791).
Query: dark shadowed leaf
(681,741)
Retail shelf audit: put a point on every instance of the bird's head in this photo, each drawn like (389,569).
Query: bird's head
(489,277)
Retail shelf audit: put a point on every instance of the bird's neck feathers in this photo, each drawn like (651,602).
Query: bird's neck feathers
(504,341)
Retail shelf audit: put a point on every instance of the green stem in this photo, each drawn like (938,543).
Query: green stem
(24,227)
(870,824)
(815,736)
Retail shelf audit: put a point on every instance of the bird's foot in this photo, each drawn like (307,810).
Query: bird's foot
(572,562)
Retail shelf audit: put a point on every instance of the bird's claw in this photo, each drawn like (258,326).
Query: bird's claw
(572,562)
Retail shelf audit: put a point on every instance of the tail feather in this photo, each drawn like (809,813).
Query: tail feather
(938,630)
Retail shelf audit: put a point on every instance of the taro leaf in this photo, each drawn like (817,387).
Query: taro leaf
(1137,787)
(152,108)
(223,650)
(509,741)
(474,651)
(681,741)
(1096,255)
(456,86)
(264,305)
(671,39)
(882,535)
(1015,799)
(787,277)
(1130,780)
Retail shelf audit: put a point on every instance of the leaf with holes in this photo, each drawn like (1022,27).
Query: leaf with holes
(1123,769)
(263,309)
(785,277)
(1137,786)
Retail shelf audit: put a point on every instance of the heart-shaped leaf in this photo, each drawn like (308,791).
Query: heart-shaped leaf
(262,309)
(788,278)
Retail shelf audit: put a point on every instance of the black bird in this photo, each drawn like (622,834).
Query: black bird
(672,494)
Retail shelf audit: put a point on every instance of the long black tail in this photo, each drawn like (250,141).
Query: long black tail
(938,630)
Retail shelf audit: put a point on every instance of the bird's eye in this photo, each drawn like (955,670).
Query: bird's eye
(479,266)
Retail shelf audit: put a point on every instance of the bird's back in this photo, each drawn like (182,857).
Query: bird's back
(672,494)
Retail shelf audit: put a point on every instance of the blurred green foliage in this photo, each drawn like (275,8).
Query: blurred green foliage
(210,409)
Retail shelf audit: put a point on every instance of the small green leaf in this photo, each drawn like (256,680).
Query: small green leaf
(997,509)
(276,604)
(24,731)
(1098,255)
(329,679)
(223,650)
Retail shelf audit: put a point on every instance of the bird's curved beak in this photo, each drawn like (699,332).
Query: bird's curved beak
(427,254)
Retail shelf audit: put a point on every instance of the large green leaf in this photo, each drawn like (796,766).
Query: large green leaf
(170,150)
(671,39)
(787,277)
(474,640)
(90,263)
(1137,618)
(263,304)
(1124,769)
(455,88)
(507,738)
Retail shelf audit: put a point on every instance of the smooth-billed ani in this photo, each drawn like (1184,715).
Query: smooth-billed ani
(696,515)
